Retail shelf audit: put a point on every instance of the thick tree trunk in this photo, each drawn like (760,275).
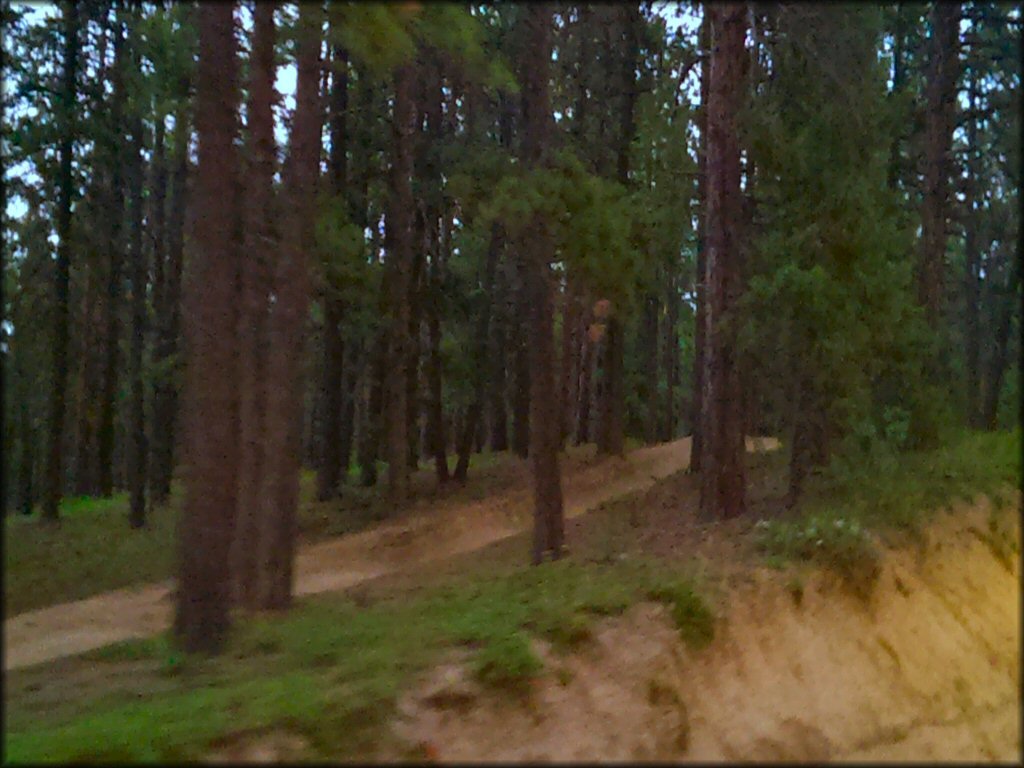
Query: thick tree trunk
(334,346)
(723,481)
(256,278)
(278,519)
(536,257)
(55,458)
(399,265)
(699,339)
(203,598)
(941,107)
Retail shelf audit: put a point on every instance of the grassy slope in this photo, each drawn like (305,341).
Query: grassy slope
(331,668)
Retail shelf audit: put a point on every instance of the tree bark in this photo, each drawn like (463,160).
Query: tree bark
(55,459)
(548,536)
(1003,324)
(261,245)
(137,448)
(586,380)
(398,235)
(972,278)
(278,518)
(723,482)
(334,345)
(697,406)
(649,344)
(941,105)
(115,150)
(203,598)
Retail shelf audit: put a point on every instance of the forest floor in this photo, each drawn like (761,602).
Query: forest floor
(70,628)
(779,635)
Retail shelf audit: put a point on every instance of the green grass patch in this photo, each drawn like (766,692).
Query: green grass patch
(328,670)
(889,495)
(690,613)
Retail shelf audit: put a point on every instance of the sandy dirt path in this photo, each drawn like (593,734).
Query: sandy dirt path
(72,628)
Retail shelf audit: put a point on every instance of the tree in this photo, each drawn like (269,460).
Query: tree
(723,479)
(257,271)
(201,619)
(399,246)
(943,65)
(55,457)
(283,442)
(334,344)
(137,449)
(535,266)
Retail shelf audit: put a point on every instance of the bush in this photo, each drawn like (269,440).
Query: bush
(839,543)
(508,662)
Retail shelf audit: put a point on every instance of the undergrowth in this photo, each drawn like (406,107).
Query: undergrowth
(891,496)
(329,670)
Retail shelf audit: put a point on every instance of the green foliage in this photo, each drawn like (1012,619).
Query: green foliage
(691,615)
(830,306)
(825,539)
(508,662)
(890,494)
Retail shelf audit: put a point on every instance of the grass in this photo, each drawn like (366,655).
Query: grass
(328,671)
(890,497)
(93,550)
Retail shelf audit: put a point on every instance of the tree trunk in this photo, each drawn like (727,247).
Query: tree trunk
(548,536)
(165,353)
(137,449)
(1003,325)
(499,356)
(286,354)
(521,374)
(55,460)
(334,345)
(476,408)
(260,244)
(699,364)
(586,380)
(723,482)
(569,373)
(671,357)
(202,619)
(649,344)
(972,255)
(107,429)
(399,263)
(940,95)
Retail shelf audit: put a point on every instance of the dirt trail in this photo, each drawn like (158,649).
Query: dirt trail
(71,628)
(928,669)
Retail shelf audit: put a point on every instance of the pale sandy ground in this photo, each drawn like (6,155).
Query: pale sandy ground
(927,670)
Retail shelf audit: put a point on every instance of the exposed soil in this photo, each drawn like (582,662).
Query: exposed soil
(926,669)
(71,628)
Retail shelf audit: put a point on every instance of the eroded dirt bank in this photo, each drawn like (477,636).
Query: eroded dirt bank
(926,669)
